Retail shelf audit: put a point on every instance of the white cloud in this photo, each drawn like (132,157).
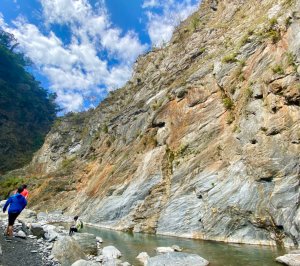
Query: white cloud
(70,102)
(150,3)
(77,70)
(161,26)
(66,11)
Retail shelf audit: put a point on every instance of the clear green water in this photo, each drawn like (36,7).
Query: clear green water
(217,253)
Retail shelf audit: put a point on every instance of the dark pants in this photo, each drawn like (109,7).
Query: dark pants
(12,217)
(72,230)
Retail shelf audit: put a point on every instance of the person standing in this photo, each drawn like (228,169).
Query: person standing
(16,204)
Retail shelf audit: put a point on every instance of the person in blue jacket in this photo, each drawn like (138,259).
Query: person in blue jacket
(16,204)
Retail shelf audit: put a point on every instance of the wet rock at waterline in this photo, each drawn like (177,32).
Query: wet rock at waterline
(111,252)
(143,257)
(175,258)
(289,259)
(164,249)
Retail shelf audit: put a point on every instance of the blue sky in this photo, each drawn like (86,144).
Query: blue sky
(82,49)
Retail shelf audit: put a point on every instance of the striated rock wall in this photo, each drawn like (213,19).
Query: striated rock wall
(202,142)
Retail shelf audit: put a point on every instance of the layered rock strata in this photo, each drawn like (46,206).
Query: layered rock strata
(202,142)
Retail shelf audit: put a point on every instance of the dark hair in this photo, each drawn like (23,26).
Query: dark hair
(20,189)
(24,186)
(76,217)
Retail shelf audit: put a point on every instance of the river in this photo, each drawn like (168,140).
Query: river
(217,253)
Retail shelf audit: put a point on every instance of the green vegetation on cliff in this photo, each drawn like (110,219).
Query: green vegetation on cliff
(26,110)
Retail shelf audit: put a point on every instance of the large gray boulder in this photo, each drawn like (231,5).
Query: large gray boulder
(87,242)
(85,263)
(111,252)
(51,233)
(174,258)
(289,259)
(67,251)
(37,230)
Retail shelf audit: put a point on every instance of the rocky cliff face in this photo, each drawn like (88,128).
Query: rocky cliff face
(202,142)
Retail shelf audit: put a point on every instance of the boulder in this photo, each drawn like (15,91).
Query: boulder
(50,232)
(85,263)
(87,242)
(289,259)
(143,257)
(111,252)
(21,234)
(25,228)
(67,251)
(37,230)
(164,249)
(175,258)
(99,239)
(176,248)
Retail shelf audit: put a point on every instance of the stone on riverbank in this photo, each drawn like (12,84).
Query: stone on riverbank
(87,242)
(99,239)
(289,259)
(37,230)
(143,257)
(67,251)
(176,248)
(21,234)
(50,232)
(175,258)
(111,252)
(85,263)
(164,249)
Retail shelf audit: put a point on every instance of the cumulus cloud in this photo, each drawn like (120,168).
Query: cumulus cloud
(78,69)
(161,26)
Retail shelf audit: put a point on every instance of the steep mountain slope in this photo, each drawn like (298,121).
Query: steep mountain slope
(26,109)
(203,142)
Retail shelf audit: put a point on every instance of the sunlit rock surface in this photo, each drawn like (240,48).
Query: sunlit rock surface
(202,142)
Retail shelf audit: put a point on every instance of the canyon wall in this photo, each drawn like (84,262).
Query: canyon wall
(202,142)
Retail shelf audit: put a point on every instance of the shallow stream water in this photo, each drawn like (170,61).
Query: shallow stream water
(216,253)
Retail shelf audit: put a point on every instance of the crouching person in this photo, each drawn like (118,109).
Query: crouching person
(76,226)
(16,204)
